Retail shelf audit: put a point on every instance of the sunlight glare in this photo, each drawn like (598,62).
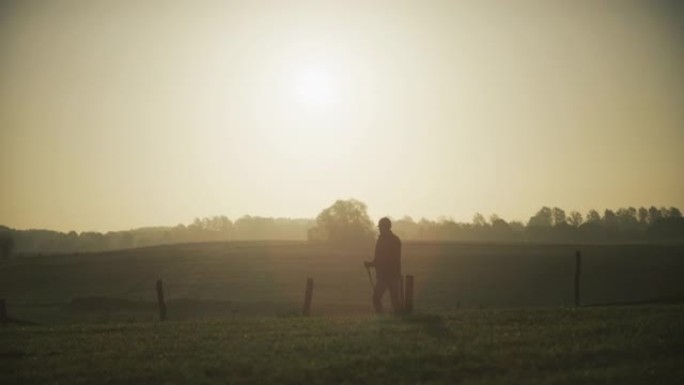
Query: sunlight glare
(314,87)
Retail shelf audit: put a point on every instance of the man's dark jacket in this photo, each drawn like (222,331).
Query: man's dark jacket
(387,260)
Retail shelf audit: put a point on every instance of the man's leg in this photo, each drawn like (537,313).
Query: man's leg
(395,295)
(378,292)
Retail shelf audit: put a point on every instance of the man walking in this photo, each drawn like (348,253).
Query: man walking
(387,263)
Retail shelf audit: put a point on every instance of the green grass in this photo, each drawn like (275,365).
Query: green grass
(485,314)
(621,345)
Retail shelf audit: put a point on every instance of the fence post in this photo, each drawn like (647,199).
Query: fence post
(402,297)
(3,312)
(307,297)
(160,300)
(408,300)
(578,271)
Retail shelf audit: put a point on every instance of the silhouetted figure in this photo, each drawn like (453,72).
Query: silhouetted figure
(387,263)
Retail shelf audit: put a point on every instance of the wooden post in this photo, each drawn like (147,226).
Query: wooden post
(160,300)
(307,297)
(401,293)
(578,271)
(3,312)
(408,300)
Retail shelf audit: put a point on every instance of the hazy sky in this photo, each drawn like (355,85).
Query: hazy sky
(120,114)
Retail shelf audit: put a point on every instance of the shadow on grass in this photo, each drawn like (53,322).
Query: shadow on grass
(431,324)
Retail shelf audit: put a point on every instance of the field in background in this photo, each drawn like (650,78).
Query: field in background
(268,278)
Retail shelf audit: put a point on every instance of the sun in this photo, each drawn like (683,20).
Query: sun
(314,87)
(309,120)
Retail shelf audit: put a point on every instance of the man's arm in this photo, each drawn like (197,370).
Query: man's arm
(375,256)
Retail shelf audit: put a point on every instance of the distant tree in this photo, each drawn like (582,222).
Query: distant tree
(501,230)
(206,223)
(6,245)
(426,229)
(71,240)
(223,224)
(653,215)
(674,212)
(558,216)
(563,232)
(609,217)
(197,223)
(543,218)
(517,226)
(632,212)
(127,240)
(540,225)
(593,216)
(252,228)
(91,241)
(575,219)
(664,212)
(406,228)
(518,230)
(642,215)
(670,228)
(215,228)
(479,220)
(610,229)
(344,223)
(627,218)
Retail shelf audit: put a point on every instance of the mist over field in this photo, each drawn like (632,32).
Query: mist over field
(346,224)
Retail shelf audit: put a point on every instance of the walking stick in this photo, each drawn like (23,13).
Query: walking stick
(370,276)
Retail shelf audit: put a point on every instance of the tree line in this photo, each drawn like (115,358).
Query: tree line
(554,225)
(346,222)
(216,228)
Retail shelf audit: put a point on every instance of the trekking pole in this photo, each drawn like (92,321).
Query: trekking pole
(370,276)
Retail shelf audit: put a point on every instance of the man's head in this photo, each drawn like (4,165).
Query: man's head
(384,225)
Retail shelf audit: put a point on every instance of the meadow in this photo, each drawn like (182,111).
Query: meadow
(268,279)
(622,345)
(484,314)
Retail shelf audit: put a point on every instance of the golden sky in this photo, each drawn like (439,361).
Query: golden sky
(120,114)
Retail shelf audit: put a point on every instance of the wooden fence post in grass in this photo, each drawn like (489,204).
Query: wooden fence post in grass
(408,300)
(3,313)
(307,297)
(401,293)
(578,271)
(160,300)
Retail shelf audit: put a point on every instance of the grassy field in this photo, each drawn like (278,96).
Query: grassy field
(620,345)
(268,279)
(485,314)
